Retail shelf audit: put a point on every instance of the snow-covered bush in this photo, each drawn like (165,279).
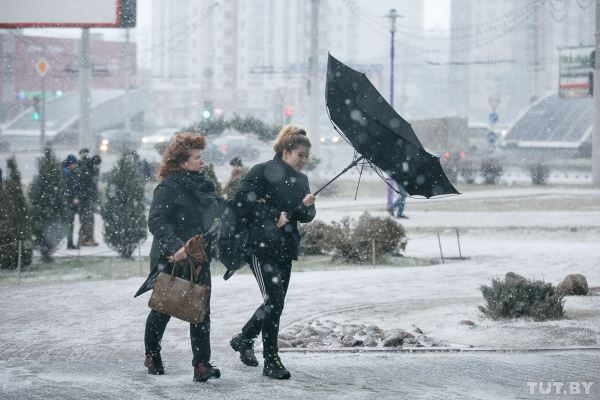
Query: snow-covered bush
(386,232)
(48,210)
(14,219)
(317,238)
(510,298)
(491,170)
(123,212)
(353,242)
(539,173)
(8,234)
(344,247)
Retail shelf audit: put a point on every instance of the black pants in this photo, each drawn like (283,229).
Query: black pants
(86,221)
(273,280)
(71,211)
(199,333)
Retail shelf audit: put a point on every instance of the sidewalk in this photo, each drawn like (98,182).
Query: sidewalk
(85,339)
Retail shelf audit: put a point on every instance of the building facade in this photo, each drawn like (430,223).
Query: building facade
(504,54)
(19,80)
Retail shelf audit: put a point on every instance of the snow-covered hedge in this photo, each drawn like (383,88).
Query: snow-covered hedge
(513,298)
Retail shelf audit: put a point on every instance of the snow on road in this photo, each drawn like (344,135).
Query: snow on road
(85,339)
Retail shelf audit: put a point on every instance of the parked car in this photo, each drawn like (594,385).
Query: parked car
(244,147)
(213,155)
(458,164)
(117,141)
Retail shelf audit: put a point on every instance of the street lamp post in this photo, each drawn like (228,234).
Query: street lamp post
(393,15)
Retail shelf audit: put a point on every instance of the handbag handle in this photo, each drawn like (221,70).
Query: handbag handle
(194,272)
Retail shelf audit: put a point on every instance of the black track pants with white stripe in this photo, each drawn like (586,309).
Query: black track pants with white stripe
(273,279)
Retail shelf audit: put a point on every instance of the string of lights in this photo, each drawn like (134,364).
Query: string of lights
(178,36)
(479,36)
(554,5)
(582,4)
(482,41)
(455,31)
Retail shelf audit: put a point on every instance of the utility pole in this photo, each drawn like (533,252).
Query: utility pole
(8,68)
(85,93)
(43,114)
(393,15)
(313,73)
(127,82)
(596,130)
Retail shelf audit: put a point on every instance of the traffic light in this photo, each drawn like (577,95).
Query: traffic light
(288,112)
(36,115)
(207,111)
(591,73)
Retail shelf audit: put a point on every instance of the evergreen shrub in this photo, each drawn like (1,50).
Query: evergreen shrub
(511,298)
(48,211)
(20,225)
(123,212)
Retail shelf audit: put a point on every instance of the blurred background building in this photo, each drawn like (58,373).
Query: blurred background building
(249,57)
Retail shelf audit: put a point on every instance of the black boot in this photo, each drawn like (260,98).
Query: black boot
(205,371)
(246,349)
(273,368)
(154,364)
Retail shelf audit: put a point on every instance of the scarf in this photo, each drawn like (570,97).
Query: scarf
(198,184)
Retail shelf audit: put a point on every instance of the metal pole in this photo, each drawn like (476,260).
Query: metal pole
(313,74)
(440,244)
(19,263)
(43,112)
(393,15)
(140,257)
(596,133)
(373,250)
(127,82)
(458,241)
(8,67)
(85,92)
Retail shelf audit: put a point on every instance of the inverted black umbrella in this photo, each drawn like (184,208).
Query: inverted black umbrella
(379,135)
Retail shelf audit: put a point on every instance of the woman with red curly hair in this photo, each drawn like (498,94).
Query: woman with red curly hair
(184,205)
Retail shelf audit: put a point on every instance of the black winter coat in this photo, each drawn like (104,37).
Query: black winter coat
(184,204)
(283,189)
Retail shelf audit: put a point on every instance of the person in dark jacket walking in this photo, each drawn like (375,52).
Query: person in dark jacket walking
(89,171)
(185,204)
(275,196)
(70,174)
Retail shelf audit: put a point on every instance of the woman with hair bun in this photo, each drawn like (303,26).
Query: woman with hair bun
(275,196)
(184,205)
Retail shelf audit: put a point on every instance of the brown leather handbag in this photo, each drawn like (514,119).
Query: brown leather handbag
(181,298)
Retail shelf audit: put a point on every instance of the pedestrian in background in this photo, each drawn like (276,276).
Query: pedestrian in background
(71,176)
(275,195)
(397,208)
(89,170)
(238,171)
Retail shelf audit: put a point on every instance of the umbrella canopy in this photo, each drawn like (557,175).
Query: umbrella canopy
(366,120)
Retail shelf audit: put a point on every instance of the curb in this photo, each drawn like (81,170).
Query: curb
(424,350)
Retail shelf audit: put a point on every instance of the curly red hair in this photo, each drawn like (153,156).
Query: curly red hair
(178,151)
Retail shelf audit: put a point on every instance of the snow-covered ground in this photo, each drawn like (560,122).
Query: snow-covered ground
(85,339)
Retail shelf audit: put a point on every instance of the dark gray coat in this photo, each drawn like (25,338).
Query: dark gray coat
(283,189)
(184,204)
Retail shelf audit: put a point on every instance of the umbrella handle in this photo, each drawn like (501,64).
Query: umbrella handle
(359,159)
